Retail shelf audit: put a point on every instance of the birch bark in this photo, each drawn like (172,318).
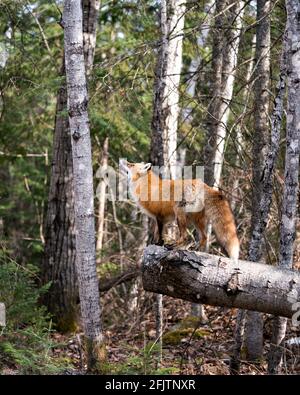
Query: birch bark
(102,199)
(163,151)
(83,183)
(227,32)
(59,227)
(229,65)
(218,281)
(166,86)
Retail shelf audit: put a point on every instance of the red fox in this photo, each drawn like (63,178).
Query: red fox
(186,201)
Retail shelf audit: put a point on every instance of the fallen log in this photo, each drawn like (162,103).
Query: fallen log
(217,281)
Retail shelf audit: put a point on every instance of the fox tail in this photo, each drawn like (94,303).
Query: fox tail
(218,212)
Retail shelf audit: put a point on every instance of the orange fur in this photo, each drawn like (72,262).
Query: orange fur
(163,201)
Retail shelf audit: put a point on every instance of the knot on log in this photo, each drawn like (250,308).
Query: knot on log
(232,287)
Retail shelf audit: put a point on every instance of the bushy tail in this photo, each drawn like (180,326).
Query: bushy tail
(218,212)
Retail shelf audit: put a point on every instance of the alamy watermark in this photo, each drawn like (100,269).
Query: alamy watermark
(140,180)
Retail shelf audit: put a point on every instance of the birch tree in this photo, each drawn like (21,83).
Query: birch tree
(59,227)
(291,173)
(166,92)
(229,16)
(83,183)
(163,150)
(101,195)
(254,324)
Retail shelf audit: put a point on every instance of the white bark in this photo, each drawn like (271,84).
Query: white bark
(229,71)
(175,24)
(166,90)
(217,281)
(165,104)
(59,228)
(102,199)
(83,181)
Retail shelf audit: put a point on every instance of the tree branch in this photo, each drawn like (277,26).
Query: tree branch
(106,284)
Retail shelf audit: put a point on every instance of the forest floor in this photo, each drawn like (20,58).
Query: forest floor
(189,348)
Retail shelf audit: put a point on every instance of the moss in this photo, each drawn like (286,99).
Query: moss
(96,355)
(184,329)
(68,323)
(175,337)
(188,322)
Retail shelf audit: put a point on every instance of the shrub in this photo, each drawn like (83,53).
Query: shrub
(26,342)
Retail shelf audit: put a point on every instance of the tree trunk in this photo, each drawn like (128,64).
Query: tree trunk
(266,197)
(291,174)
(224,58)
(204,30)
(229,65)
(217,281)
(166,92)
(163,150)
(240,141)
(254,323)
(225,55)
(101,195)
(59,228)
(90,10)
(83,183)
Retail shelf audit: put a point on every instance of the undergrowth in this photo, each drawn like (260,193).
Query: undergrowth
(26,342)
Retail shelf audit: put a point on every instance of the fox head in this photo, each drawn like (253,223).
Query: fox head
(135,170)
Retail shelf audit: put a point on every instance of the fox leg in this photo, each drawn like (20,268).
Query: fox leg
(181,219)
(157,232)
(160,228)
(199,220)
